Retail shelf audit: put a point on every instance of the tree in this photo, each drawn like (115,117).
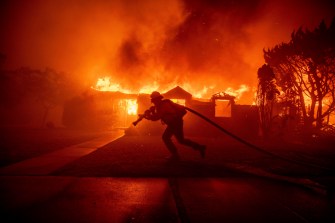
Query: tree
(304,69)
(47,87)
(266,96)
(30,87)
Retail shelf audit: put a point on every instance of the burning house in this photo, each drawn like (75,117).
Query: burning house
(114,109)
(100,109)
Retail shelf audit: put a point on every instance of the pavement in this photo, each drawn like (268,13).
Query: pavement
(46,164)
(126,179)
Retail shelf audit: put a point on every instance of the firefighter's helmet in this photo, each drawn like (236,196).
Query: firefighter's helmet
(155,95)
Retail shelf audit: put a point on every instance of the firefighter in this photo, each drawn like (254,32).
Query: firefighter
(171,114)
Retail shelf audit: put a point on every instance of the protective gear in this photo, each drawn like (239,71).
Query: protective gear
(155,95)
(171,114)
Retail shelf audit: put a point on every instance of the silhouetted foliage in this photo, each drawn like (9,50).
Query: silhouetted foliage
(304,70)
(266,95)
(27,89)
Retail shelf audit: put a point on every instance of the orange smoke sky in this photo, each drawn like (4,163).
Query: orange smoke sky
(198,44)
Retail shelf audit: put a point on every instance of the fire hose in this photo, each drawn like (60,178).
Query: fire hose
(254,146)
(257,148)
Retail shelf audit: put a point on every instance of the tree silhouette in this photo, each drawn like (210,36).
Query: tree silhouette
(266,96)
(304,69)
(47,87)
(34,88)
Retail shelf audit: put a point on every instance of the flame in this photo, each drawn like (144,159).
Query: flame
(200,93)
(179,101)
(237,93)
(106,84)
(131,105)
(149,88)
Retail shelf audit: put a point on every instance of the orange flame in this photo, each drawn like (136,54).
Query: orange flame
(131,105)
(237,93)
(106,84)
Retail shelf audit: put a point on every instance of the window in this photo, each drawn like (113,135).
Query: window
(179,101)
(222,108)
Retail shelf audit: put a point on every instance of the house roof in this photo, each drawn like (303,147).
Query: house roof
(224,96)
(178,93)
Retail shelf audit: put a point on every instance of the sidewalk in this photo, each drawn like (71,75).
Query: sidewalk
(45,164)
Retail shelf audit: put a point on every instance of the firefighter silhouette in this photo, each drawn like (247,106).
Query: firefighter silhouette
(171,114)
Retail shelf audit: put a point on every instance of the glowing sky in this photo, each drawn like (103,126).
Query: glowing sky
(197,44)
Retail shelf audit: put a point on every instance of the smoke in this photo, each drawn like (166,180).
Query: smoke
(197,44)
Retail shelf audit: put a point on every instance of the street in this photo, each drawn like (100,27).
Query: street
(129,180)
